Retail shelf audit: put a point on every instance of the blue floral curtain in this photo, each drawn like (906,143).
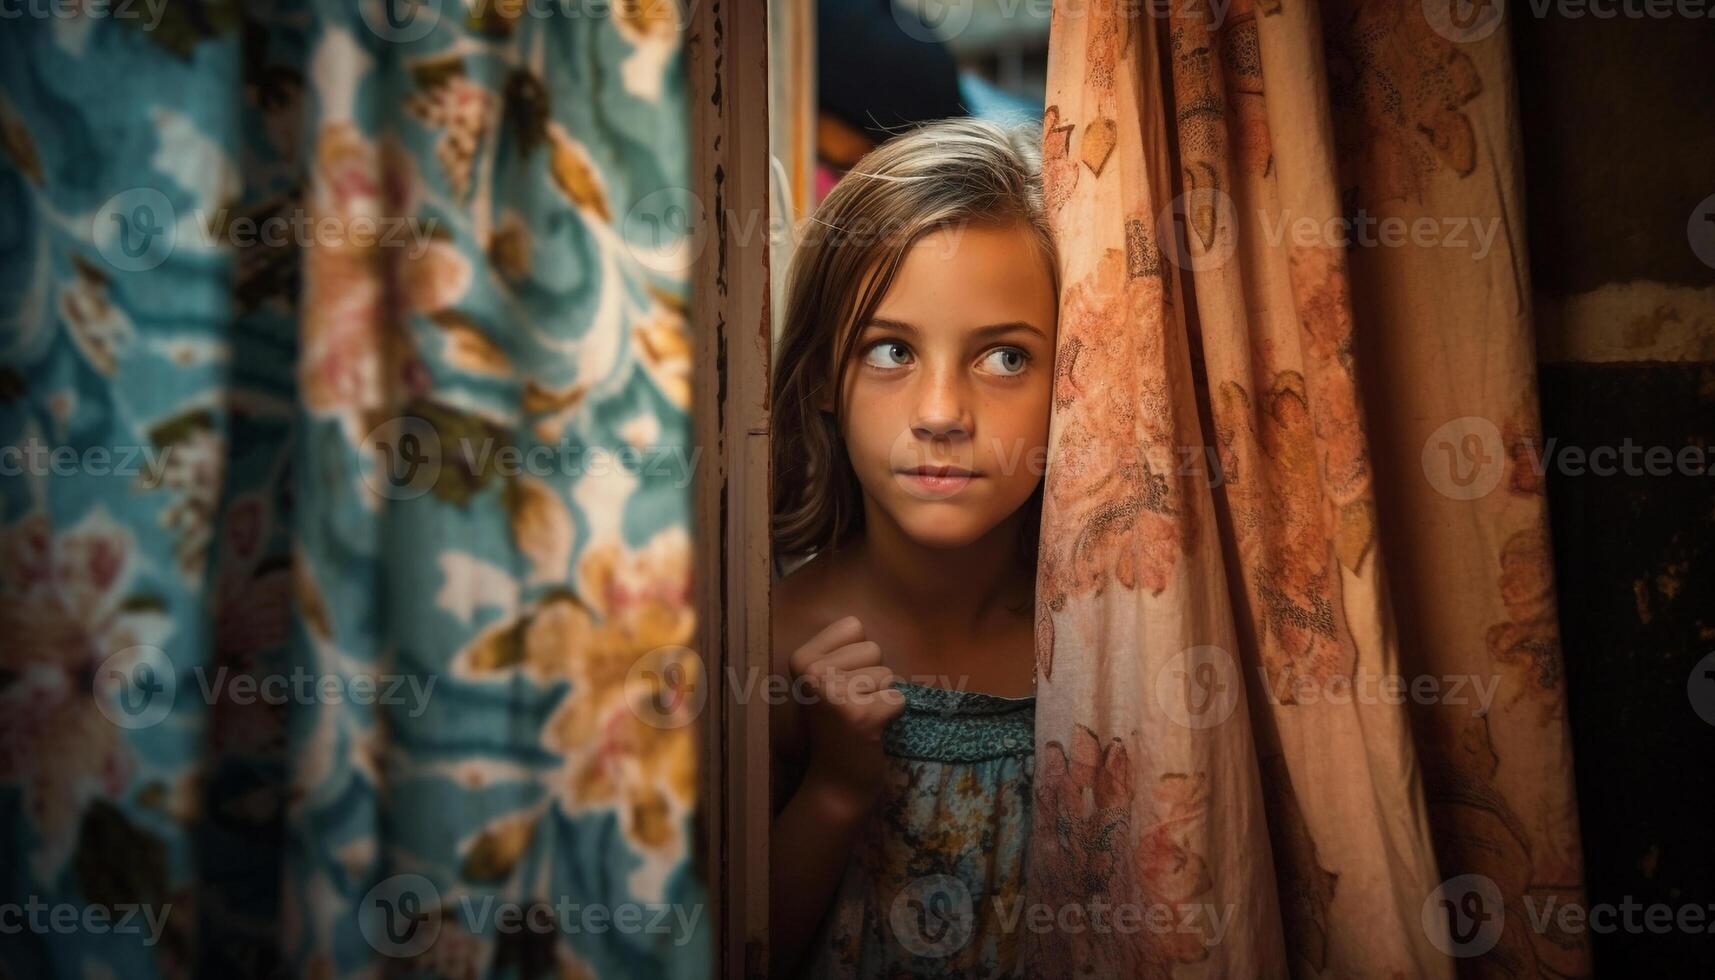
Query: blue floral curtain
(344,490)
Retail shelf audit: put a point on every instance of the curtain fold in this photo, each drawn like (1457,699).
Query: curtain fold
(355,671)
(1295,612)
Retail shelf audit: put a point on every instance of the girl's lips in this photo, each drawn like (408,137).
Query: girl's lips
(937,481)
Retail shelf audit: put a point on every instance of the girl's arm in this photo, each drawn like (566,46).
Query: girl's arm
(850,701)
(811,842)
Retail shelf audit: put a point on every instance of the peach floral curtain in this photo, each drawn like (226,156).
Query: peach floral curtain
(1302,705)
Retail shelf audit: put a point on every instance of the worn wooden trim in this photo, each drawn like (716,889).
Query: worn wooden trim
(727,63)
(792,111)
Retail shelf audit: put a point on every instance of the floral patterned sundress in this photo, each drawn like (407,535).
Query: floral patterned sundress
(936,873)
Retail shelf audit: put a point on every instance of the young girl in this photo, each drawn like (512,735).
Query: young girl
(911,400)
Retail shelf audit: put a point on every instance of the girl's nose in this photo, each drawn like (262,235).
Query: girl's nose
(941,410)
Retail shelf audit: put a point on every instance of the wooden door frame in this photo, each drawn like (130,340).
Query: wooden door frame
(727,65)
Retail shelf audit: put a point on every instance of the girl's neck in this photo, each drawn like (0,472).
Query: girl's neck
(959,588)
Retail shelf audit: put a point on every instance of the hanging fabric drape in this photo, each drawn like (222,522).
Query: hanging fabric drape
(377,314)
(1302,702)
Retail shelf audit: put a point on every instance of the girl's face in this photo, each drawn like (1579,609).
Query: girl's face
(945,413)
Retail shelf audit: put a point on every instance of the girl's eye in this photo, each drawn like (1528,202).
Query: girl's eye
(1005,361)
(887,354)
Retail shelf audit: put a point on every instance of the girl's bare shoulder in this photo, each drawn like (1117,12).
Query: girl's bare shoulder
(810,597)
(805,601)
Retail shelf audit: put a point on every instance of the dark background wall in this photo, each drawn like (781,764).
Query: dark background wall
(1618,118)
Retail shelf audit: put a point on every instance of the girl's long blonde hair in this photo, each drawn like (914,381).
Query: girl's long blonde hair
(953,172)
